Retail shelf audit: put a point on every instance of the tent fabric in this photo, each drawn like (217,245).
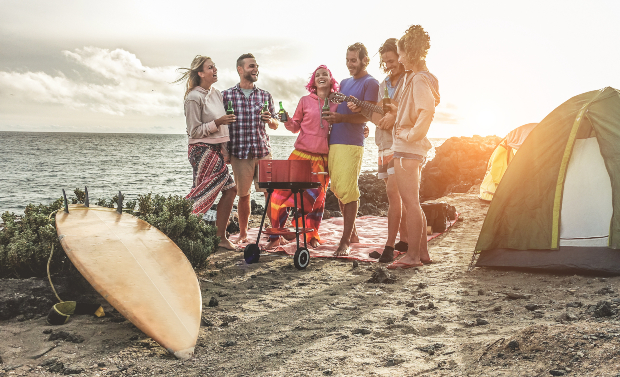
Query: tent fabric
(501,158)
(566,259)
(516,137)
(525,213)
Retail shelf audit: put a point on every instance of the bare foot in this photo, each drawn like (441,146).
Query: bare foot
(273,243)
(343,250)
(241,239)
(354,238)
(314,243)
(409,259)
(226,244)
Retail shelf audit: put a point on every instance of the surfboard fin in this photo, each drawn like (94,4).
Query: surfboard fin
(120,203)
(86,203)
(66,202)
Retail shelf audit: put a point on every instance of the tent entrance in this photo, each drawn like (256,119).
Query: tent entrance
(586,200)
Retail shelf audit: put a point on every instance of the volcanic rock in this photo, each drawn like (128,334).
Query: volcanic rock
(459,163)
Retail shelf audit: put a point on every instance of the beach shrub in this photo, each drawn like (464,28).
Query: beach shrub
(26,241)
(173,216)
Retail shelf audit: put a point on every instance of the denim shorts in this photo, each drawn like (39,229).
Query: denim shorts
(409,156)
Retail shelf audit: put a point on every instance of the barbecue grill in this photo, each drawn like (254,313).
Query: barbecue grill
(293,175)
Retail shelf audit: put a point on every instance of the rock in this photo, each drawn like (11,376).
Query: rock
(431,305)
(413,311)
(538,313)
(256,209)
(603,309)
(605,291)
(422,285)
(233,226)
(355,264)
(517,296)
(73,370)
(48,362)
(481,292)
(48,331)
(393,362)
(513,345)
(328,372)
(56,367)
(213,302)
(431,348)
(497,309)
(382,276)
(566,317)
(206,322)
(336,214)
(574,304)
(327,214)
(481,322)
(557,372)
(532,307)
(361,331)
(469,323)
(63,335)
(229,343)
(459,163)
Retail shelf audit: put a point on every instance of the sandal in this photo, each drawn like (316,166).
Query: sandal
(388,255)
(401,246)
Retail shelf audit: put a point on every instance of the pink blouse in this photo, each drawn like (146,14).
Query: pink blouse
(313,131)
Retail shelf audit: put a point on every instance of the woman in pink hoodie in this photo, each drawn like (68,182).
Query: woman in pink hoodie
(312,145)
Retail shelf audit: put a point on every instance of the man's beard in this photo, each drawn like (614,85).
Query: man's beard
(248,76)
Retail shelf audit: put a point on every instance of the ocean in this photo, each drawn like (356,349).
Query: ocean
(36,166)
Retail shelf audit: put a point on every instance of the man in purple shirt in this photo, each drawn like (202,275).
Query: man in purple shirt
(346,142)
(249,142)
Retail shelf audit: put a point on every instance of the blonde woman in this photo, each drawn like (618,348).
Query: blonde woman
(207,131)
(417,98)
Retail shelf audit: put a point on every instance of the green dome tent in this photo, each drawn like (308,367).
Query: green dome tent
(558,204)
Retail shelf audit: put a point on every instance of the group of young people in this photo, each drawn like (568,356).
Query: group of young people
(333,142)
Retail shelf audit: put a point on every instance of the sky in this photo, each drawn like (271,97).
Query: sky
(82,66)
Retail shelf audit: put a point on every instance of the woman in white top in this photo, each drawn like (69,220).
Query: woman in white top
(207,131)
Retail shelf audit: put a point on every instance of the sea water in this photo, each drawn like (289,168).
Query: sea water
(36,166)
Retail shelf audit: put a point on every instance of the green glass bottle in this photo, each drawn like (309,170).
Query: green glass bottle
(386,100)
(266,107)
(325,106)
(230,109)
(282,112)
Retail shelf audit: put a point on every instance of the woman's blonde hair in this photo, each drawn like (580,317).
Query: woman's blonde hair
(191,74)
(415,44)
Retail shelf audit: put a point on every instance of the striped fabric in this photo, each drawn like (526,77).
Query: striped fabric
(210,175)
(314,199)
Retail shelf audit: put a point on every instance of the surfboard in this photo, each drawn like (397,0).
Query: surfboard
(138,270)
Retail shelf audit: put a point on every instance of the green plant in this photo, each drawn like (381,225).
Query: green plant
(173,216)
(26,241)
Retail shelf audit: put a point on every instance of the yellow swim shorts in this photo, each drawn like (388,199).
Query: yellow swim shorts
(345,165)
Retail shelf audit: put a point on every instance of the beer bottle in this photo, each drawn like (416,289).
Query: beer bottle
(386,100)
(230,109)
(282,112)
(266,107)
(325,106)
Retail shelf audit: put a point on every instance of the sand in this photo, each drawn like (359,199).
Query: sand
(328,320)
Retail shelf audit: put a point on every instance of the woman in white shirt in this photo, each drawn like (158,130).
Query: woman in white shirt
(207,131)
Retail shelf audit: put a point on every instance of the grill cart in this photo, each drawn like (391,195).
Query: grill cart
(293,175)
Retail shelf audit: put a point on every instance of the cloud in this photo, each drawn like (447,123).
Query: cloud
(128,87)
(116,82)
(447,114)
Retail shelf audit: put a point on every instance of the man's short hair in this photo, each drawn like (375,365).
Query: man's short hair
(242,57)
(362,52)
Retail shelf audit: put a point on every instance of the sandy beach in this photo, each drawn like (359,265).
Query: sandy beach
(269,319)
